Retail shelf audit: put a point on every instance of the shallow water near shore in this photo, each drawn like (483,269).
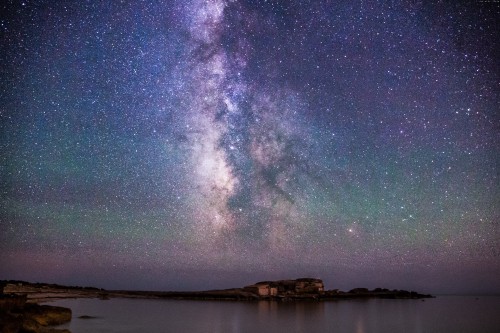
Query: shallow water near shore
(460,314)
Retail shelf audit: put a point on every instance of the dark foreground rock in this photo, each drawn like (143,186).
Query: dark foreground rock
(17,316)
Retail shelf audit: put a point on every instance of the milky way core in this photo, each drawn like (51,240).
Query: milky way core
(197,144)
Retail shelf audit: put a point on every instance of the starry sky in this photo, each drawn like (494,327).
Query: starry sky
(190,145)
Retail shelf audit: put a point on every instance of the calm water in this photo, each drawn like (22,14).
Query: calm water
(443,314)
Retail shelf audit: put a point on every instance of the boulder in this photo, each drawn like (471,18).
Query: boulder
(32,318)
(32,326)
(47,315)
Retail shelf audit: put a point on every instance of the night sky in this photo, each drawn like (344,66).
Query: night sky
(183,145)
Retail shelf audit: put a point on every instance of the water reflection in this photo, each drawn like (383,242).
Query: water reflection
(445,314)
(301,315)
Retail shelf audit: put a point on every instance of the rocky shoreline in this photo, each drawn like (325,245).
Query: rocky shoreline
(19,316)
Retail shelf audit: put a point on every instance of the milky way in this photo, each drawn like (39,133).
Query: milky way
(208,144)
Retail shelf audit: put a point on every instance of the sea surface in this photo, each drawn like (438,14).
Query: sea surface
(457,314)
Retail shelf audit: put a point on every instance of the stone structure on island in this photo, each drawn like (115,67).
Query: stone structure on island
(287,288)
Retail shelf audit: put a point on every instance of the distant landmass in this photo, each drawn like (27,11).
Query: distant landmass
(282,290)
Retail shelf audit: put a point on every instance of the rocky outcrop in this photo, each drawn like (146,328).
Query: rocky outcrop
(299,288)
(37,292)
(17,316)
(47,315)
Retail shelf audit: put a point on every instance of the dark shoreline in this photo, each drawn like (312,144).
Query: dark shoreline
(17,315)
(41,292)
